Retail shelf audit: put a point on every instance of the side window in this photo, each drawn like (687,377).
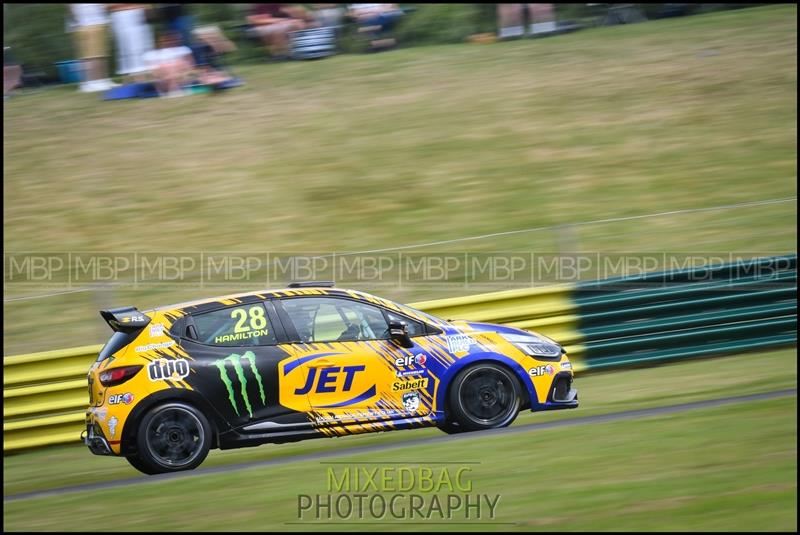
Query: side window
(415,328)
(326,319)
(246,325)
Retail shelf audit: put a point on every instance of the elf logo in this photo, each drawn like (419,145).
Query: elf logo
(409,360)
(538,371)
(116,399)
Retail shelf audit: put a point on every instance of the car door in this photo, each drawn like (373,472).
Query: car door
(235,356)
(348,368)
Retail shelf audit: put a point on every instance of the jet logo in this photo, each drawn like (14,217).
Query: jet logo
(334,379)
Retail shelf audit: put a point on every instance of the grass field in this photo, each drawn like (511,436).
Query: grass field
(687,471)
(726,468)
(417,145)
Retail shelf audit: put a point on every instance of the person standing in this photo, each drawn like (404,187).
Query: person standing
(178,19)
(541,19)
(133,37)
(12,73)
(92,43)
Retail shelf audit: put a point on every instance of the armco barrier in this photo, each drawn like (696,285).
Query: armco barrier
(687,313)
(44,396)
(614,322)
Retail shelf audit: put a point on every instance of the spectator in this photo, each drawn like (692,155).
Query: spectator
(377,20)
(273,23)
(328,15)
(541,19)
(170,65)
(12,73)
(176,18)
(90,30)
(211,45)
(133,36)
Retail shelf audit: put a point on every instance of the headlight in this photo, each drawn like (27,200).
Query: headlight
(535,345)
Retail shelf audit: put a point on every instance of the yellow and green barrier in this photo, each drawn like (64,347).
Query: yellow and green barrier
(655,317)
(627,321)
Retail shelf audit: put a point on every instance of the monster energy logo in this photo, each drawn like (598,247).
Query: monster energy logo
(236,361)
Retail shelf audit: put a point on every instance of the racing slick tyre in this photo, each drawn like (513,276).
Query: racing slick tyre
(483,396)
(137,463)
(451,428)
(171,437)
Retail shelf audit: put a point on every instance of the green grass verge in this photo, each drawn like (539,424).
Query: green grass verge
(728,468)
(599,393)
(418,145)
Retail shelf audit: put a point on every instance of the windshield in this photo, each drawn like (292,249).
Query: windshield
(430,317)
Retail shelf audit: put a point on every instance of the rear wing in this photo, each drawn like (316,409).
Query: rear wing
(125,319)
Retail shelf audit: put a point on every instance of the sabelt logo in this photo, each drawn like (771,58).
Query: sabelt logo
(401,386)
(239,375)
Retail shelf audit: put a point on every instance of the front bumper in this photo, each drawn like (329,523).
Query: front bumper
(561,395)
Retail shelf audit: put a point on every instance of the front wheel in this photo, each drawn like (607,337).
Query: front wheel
(450,427)
(171,437)
(483,396)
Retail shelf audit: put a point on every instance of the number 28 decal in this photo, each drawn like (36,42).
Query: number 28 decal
(256,315)
(250,323)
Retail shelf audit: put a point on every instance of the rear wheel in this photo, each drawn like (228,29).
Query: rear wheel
(137,463)
(171,437)
(483,396)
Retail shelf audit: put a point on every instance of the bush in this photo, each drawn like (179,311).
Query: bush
(37,35)
(431,24)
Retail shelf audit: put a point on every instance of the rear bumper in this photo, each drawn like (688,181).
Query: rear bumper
(95,441)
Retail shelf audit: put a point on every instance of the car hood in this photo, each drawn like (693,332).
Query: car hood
(487,327)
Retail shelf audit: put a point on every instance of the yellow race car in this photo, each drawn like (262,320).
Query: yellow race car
(304,362)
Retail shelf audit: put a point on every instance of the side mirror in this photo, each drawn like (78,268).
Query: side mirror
(398,331)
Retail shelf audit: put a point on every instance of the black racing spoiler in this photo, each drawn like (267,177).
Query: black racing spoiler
(312,284)
(125,319)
